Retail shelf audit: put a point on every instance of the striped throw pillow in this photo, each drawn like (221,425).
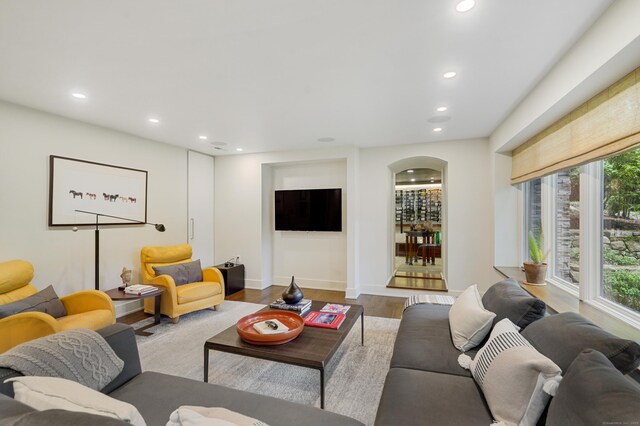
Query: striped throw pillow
(516,380)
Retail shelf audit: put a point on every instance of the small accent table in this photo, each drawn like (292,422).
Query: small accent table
(116,294)
(233,278)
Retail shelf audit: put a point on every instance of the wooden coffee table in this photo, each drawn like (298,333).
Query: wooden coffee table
(313,348)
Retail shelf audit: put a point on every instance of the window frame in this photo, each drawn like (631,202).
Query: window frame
(589,289)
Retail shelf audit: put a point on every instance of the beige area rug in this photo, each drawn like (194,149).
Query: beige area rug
(353,379)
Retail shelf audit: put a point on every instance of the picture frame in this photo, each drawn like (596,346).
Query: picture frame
(95,187)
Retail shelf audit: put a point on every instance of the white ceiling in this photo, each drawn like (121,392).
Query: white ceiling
(270,75)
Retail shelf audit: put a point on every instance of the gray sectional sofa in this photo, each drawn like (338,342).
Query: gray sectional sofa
(156,395)
(425,385)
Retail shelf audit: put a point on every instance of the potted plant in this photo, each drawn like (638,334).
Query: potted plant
(536,270)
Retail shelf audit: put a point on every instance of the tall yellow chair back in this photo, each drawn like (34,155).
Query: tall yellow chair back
(162,256)
(15,281)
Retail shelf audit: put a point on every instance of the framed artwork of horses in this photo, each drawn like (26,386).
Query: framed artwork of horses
(102,188)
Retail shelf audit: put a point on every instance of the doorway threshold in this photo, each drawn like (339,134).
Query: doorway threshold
(418,283)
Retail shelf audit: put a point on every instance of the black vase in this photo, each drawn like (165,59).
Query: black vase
(292,294)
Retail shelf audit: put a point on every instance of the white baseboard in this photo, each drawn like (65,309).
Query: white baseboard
(125,308)
(351,293)
(254,284)
(312,283)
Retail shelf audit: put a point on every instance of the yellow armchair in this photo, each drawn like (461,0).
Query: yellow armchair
(181,299)
(85,309)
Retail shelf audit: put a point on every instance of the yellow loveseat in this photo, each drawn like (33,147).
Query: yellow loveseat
(185,298)
(85,309)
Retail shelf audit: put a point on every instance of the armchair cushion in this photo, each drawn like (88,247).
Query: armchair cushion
(182,273)
(197,291)
(46,301)
(93,320)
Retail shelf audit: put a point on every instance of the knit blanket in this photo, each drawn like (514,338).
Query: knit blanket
(428,298)
(80,355)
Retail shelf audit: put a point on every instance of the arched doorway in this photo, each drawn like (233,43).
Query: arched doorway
(419,224)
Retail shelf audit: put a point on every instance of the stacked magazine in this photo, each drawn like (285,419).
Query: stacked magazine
(139,289)
(324,319)
(335,308)
(302,307)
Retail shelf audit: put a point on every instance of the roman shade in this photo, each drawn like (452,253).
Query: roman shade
(605,125)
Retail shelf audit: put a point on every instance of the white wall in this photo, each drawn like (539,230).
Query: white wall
(608,51)
(317,259)
(469,207)
(507,223)
(243,209)
(61,257)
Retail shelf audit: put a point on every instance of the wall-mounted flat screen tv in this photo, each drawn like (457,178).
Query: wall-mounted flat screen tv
(309,210)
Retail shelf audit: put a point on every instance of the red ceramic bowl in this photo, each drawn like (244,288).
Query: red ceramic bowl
(292,320)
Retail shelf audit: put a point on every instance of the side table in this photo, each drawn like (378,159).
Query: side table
(116,294)
(233,278)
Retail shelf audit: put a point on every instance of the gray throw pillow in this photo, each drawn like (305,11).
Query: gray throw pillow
(46,301)
(593,392)
(563,336)
(182,273)
(508,300)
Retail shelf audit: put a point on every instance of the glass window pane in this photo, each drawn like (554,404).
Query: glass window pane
(532,210)
(567,226)
(621,230)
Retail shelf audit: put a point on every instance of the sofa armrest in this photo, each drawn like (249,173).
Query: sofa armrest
(213,275)
(25,326)
(169,285)
(122,339)
(87,300)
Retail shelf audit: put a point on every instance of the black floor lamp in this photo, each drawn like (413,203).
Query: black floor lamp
(159,227)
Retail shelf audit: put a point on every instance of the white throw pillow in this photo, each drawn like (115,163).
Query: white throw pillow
(210,416)
(516,379)
(46,393)
(469,321)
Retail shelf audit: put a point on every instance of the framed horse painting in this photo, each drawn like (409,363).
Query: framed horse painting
(95,187)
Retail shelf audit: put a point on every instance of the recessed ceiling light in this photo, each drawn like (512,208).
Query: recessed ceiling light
(239,149)
(437,129)
(410,171)
(326,139)
(154,120)
(203,137)
(449,74)
(465,5)
(413,179)
(441,109)
(79,95)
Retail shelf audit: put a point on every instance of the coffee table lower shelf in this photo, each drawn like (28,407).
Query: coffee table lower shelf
(313,348)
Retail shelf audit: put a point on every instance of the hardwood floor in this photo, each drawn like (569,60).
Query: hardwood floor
(376,306)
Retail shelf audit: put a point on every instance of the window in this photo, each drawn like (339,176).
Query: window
(533,210)
(621,230)
(591,220)
(566,259)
